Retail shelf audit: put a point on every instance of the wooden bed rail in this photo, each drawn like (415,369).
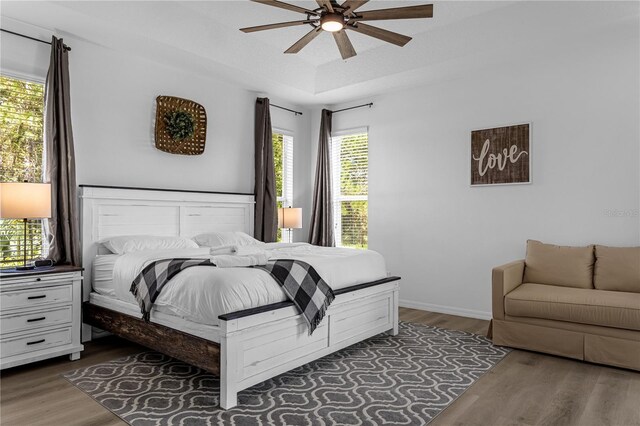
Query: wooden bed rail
(191,349)
(266,308)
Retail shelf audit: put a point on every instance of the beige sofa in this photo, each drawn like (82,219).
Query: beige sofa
(578,302)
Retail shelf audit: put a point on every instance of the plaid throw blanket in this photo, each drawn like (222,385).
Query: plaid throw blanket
(147,285)
(300,282)
(304,287)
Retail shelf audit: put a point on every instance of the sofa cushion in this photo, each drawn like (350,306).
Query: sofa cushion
(583,306)
(617,269)
(559,265)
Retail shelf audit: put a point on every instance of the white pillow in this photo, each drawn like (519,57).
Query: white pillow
(217,239)
(131,243)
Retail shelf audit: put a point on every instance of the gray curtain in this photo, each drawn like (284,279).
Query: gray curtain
(321,232)
(60,167)
(266,213)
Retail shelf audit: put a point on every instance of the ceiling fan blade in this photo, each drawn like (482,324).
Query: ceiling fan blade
(274,26)
(306,39)
(286,6)
(379,33)
(410,12)
(350,5)
(326,4)
(344,44)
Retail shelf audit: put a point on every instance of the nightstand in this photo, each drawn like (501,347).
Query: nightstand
(40,315)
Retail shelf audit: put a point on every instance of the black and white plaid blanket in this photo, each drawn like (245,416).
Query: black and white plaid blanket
(147,285)
(304,287)
(300,282)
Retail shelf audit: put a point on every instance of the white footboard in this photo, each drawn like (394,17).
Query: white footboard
(260,346)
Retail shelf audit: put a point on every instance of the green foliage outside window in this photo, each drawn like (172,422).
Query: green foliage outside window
(355,224)
(21,121)
(21,153)
(278,157)
(354,182)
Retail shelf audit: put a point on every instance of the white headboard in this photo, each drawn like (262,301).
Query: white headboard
(111,211)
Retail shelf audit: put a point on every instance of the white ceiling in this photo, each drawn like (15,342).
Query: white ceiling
(240,14)
(204,35)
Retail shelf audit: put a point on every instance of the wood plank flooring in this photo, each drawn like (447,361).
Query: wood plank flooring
(526,388)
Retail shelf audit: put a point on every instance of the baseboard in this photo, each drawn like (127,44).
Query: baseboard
(441,309)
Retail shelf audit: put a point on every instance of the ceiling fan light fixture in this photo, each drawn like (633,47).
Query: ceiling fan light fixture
(332,22)
(339,19)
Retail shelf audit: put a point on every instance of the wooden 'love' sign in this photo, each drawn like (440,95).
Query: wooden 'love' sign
(501,155)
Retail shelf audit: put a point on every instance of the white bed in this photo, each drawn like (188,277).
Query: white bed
(204,302)
(201,294)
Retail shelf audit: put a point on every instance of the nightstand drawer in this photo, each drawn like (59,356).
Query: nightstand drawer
(39,280)
(35,342)
(37,319)
(35,297)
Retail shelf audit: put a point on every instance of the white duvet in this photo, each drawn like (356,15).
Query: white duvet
(202,293)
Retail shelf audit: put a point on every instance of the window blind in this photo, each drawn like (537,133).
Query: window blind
(21,159)
(350,170)
(12,241)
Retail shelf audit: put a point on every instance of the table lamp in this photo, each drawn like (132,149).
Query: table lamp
(290,218)
(25,200)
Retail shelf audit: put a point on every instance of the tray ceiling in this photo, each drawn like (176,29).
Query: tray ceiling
(204,36)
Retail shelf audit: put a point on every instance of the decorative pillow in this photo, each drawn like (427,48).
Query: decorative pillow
(132,243)
(617,269)
(218,239)
(559,265)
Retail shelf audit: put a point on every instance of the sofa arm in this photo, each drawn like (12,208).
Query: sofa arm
(504,279)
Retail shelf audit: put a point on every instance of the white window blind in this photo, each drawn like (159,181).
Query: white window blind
(21,157)
(283,161)
(350,176)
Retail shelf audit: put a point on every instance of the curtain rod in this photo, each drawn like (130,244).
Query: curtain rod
(286,109)
(32,38)
(370,104)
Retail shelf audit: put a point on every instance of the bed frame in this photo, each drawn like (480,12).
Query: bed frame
(251,346)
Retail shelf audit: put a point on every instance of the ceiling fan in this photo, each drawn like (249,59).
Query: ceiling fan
(335,18)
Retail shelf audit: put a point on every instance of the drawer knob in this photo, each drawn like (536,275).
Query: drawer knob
(38,279)
(36,319)
(42,296)
(35,342)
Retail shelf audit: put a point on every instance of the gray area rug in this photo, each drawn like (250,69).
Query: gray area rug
(403,380)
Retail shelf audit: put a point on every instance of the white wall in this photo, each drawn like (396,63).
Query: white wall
(442,236)
(113,109)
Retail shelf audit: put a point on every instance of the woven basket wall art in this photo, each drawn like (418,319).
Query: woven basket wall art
(170,106)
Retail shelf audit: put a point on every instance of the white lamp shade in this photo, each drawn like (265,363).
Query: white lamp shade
(290,217)
(24,200)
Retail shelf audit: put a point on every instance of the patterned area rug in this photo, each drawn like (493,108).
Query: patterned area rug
(407,379)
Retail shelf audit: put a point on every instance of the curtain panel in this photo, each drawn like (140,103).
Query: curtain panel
(266,211)
(321,232)
(60,166)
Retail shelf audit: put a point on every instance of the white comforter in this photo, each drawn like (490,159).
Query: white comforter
(202,293)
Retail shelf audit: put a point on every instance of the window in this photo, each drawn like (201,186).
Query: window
(21,159)
(350,170)
(283,161)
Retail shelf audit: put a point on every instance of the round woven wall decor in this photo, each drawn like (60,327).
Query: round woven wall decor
(193,145)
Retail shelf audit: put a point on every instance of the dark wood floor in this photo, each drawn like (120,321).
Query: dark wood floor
(526,388)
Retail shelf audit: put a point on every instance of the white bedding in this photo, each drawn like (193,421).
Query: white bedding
(202,293)
(103,274)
